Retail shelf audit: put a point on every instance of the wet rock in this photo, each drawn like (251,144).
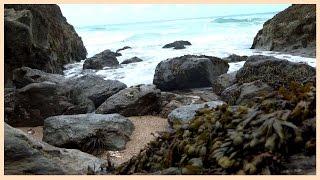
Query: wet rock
(188,71)
(124,48)
(245,93)
(30,105)
(292,31)
(106,58)
(93,87)
(223,81)
(177,44)
(92,133)
(38,36)
(170,101)
(273,71)
(25,155)
(25,75)
(132,60)
(133,101)
(235,58)
(184,114)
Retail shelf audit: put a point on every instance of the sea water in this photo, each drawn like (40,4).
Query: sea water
(213,36)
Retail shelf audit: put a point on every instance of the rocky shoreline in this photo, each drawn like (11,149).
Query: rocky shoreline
(194,119)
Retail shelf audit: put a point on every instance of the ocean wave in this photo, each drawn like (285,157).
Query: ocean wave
(234,20)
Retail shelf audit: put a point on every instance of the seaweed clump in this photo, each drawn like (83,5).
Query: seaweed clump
(235,139)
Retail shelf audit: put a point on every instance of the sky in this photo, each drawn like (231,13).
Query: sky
(103,14)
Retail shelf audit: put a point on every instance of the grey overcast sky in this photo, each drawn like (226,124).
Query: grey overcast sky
(94,14)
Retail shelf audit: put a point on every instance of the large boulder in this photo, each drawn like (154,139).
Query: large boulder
(273,71)
(39,36)
(93,87)
(292,31)
(106,58)
(92,133)
(244,94)
(30,105)
(25,155)
(189,71)
(132,60)
(185,114)
(132,101)
(25,75)
(177,44)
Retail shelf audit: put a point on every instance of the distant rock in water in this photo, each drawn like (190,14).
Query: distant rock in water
(177,45)
(292,31)
(39,36)
(103,59)
(132,60)
(235,58)
(124,48)
(189,71)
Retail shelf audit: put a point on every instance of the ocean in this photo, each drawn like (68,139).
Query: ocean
(213,36)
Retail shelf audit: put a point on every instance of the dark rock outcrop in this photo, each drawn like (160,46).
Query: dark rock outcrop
(106,58)
(235,58)
(93,87)
(124,48)
(273,71)
(38,36)
(132,60)
(91,133)
(189,71)
(177,45)
(133,101)
(292,31)
(25,155)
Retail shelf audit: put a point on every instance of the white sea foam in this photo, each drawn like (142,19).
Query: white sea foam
(234,36)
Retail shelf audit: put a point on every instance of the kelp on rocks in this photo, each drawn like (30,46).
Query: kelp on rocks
(235,139)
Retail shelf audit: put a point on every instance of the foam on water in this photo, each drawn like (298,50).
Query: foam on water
(218,37)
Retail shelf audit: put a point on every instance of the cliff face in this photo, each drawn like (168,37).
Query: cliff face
(292,31)
(38,36)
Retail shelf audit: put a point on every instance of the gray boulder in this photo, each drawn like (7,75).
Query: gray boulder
(92,133)
(132,60)
(184,114)
(133,101)
(223,81)
(103,59)
(25,75)
(245,93)
(177,44)
(30,105)
(25,155)
(189,71)
(93,87)
(273,71)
